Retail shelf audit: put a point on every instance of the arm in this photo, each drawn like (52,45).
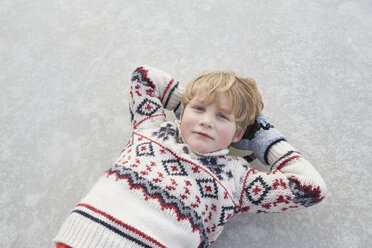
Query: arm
(152,90)
(292,183)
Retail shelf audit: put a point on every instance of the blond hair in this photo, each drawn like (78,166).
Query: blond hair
(246,101)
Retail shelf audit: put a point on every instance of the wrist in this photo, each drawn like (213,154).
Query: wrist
(278,151)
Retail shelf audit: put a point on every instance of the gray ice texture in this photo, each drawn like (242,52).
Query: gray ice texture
(65,69)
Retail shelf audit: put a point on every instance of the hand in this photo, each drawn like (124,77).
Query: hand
(177,111)
(259,137)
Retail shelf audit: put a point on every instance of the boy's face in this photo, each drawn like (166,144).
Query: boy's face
(208,128)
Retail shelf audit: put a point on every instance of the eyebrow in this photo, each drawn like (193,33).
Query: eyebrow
(227,110)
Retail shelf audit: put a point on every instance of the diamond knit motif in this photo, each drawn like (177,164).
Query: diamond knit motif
(148,107)
(226,214)
(145,149)
(257,190)
(173,167)
(208,188)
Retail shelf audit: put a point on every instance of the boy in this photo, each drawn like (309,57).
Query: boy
(174,185)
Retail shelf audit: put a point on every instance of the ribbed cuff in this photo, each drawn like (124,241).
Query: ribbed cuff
(266,153)
(175,99)
(278,151)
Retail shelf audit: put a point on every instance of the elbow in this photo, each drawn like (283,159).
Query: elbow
(141,75)
(320,193)
(310,194)
(136,74)
(319,190)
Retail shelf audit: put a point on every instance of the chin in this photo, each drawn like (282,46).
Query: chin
(200,149)
(203,150)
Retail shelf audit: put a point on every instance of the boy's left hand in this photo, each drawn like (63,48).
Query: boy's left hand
(259,137)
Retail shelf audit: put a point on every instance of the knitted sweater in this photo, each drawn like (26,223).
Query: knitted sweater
(161,193)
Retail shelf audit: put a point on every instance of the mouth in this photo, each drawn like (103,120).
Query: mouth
(204,135)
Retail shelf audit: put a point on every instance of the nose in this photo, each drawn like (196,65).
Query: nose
(205,121)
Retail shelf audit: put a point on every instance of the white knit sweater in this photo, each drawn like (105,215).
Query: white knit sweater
(160,193)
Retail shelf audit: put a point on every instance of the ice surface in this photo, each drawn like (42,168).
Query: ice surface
(64,73)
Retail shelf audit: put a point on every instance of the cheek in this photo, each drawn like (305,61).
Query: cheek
(187,121)
(188,118)
(227,132)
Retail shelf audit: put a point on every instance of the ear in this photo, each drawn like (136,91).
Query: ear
(239,137)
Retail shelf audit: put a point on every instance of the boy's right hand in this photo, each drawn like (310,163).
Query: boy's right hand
(177,111)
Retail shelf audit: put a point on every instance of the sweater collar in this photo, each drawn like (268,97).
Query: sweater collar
(180,139)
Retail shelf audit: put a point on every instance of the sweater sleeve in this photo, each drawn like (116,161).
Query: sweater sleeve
(151,91)
(293,183)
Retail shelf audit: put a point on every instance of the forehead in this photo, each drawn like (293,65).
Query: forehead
(223,101)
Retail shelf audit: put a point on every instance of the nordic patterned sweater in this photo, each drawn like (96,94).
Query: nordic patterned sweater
(160,193)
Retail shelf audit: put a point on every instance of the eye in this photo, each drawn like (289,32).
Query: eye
(199,108)
(223,116)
